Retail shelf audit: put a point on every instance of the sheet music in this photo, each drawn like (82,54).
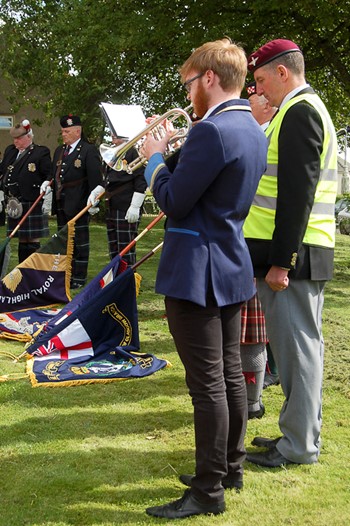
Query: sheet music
(124,120)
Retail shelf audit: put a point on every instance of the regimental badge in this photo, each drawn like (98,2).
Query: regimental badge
(77,163)
(253,61)
(70,122)
(51,371)
(31,167)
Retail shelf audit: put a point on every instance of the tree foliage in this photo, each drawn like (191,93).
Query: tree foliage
(70,55)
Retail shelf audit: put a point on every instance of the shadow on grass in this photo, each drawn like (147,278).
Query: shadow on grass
(168,382)
(80,424)
(87,487)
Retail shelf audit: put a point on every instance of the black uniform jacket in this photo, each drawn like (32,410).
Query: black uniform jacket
(22,179)
(299,149)
(79,173)
(120,186)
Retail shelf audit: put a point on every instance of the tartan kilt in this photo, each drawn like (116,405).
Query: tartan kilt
(35,226)
(120,233)
(253,329)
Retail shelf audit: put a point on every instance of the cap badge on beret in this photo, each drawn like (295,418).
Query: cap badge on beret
(253,61)
(270,51)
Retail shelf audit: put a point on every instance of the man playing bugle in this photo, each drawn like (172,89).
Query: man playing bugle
(205,270)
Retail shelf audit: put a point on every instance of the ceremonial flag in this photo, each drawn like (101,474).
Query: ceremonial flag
(23,325)
(43,279)
(95,340)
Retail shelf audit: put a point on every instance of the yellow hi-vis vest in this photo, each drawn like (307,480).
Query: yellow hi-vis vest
(320,231)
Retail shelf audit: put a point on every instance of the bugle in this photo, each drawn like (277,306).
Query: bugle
(114,156)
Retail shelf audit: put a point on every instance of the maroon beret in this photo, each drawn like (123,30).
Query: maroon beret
(270,51)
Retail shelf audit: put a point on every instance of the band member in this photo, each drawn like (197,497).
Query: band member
(125,194)
(77,181)
(205,270)
(23,169)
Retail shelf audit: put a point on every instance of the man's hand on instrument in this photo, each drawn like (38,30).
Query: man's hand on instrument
(152,145)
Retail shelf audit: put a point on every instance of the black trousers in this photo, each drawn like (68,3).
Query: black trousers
(208,342)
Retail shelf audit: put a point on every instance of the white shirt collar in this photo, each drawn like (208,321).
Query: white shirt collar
(292,94)
(73,146)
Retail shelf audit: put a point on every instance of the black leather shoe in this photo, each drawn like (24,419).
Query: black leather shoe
(75,285)
(269,459)
(271,379)
(228,482)
(185,507)
(257,414)
(269,443)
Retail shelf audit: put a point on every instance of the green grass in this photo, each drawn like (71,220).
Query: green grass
(98,455)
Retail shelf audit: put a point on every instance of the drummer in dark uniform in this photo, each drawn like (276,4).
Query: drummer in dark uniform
(24,167)
(77,181)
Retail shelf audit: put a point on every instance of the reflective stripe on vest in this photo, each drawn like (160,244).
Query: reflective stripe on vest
(260,223)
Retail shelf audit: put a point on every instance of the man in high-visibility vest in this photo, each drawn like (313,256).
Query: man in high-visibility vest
(290,232)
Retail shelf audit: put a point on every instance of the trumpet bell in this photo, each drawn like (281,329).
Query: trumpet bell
(110,156)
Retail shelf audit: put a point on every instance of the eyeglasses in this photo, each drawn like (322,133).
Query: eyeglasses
(187,84)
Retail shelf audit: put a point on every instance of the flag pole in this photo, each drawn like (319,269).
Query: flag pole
(85,209)
(148,255)
(141,234)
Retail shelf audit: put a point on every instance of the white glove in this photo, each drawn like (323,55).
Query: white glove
(2,199)
(94,210)
(45,187)
(92,199)
(133,213)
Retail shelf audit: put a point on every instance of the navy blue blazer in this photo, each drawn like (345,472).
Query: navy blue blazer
(206,200)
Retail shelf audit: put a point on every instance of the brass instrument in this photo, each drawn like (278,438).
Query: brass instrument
(114,156)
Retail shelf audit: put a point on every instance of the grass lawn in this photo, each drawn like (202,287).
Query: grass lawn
(98,455)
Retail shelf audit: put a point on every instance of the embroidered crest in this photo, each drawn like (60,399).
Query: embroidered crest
(77,163)
(51,371)
(31,167)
